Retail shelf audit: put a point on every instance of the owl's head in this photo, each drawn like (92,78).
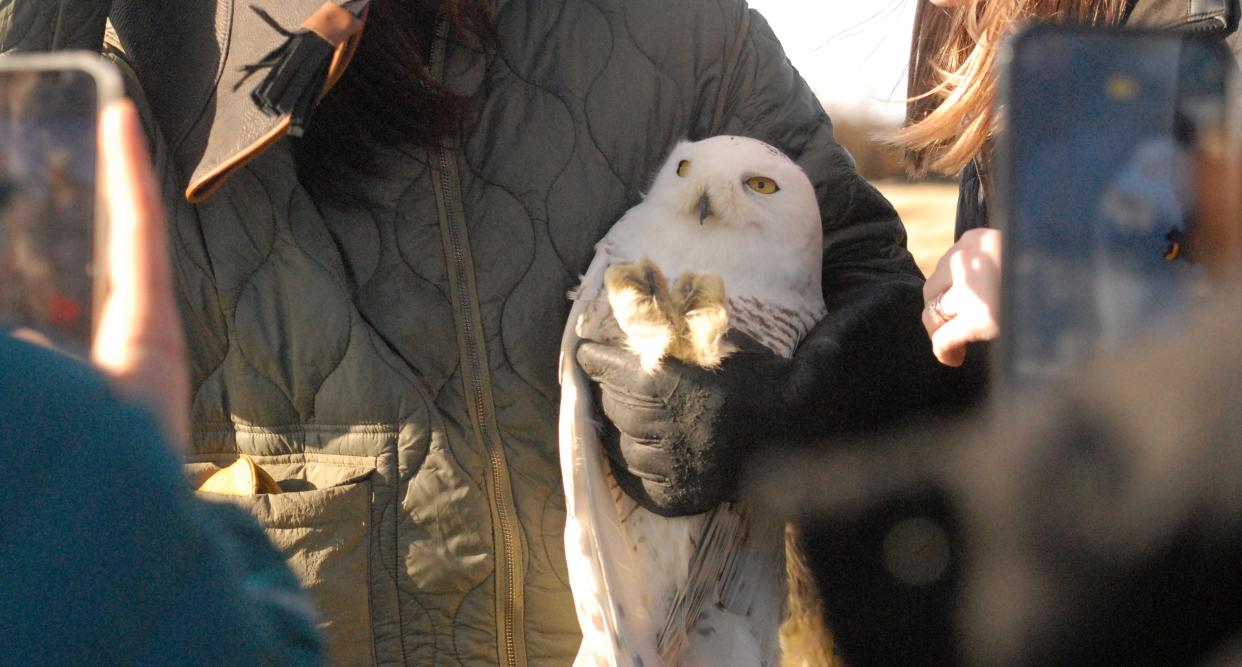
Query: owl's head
(738,183)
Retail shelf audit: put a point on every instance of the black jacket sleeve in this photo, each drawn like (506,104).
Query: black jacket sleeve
(875,359)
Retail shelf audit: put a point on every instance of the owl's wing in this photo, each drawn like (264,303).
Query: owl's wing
(739,563)
(723,530)
(753,584)
(603,573)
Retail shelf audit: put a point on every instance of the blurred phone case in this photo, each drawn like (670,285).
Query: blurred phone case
(1095,191)
(52,219)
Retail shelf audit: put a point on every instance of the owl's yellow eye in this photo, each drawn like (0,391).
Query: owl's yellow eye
(683,167)
(763,185)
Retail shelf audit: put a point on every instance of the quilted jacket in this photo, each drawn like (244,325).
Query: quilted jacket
(394,360)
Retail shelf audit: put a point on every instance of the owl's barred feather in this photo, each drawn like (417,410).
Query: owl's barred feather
(736,225)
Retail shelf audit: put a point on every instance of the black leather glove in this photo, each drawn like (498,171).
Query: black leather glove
(677,438)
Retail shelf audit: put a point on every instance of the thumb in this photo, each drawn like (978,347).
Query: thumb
(137,270)
(605,363)
(949,341)
(139,341)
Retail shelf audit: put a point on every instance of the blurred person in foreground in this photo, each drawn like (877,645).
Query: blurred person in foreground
(105,555)
(1099,523)
(952,121)
(374,308)
(881,617)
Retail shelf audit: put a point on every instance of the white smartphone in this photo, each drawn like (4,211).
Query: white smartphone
(52,225)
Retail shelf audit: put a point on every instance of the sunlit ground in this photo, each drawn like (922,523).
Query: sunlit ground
(928,210)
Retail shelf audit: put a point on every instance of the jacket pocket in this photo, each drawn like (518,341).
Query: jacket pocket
(321,522)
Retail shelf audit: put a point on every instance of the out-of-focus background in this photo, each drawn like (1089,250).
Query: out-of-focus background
(853,54)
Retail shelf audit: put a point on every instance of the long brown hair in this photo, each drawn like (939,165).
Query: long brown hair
(389,95)
(950,113)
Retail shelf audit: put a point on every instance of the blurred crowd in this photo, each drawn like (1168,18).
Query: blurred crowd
(335,273)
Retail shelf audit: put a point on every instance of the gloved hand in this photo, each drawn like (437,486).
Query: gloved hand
(677,438)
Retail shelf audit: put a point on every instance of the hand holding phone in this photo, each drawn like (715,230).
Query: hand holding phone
(139,341)
(77,260)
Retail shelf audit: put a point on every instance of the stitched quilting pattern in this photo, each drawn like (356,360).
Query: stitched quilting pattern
(321,317)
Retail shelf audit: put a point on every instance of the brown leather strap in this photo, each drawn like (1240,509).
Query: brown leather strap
(202,187)
(332,23)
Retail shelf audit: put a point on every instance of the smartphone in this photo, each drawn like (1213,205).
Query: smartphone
(52,225)
(1096,191)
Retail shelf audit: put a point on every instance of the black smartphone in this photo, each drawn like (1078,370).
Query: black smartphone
(51,226)
(1095,191)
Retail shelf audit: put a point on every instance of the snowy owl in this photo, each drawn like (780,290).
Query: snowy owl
(729,235)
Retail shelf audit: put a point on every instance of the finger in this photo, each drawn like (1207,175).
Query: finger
(960,268)
(139,340)
(639,417)
(139,301)
(611,365)
(979,278)
(954,301)
(949,341)
(963,302)
(937,311)
(33,337)
(647,460)
(932,321)
(953,357)
(941,277)
(597,359)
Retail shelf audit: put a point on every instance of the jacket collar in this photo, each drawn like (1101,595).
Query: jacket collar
(1207,16)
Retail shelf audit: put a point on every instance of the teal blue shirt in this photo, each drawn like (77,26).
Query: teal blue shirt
(106,557)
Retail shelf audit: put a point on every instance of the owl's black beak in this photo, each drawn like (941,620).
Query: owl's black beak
(705,208)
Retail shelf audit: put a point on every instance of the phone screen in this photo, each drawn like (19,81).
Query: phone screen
(1098,205)
(47,203)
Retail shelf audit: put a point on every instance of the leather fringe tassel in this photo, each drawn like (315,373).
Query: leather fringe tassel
(298,69)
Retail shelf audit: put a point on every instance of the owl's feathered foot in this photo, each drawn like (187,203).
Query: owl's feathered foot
(687,323)
(699,300)
(643,308)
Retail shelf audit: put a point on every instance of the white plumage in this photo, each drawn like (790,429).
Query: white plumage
(707,589)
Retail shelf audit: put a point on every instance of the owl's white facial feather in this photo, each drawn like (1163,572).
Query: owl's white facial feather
(746,229)
(720,168)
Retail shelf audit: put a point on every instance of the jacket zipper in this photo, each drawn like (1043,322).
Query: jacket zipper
(499,478)
(494,457)
(1207,24)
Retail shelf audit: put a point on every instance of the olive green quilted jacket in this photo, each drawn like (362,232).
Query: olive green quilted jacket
(393,361)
